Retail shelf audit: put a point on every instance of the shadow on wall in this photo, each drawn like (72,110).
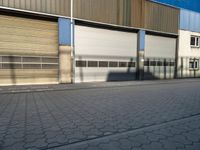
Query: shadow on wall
(81,69)
(12,67)
(121,76)
(128,76)
(187,73)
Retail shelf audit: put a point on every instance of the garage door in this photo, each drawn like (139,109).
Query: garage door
(28,51)
(104,55)
(159,57)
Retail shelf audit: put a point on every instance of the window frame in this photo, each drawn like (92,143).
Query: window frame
(197,41)
(195,64)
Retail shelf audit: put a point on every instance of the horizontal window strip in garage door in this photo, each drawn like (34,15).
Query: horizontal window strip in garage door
(28,62)
(114,64)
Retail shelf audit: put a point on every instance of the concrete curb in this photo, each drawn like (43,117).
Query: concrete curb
(89,86)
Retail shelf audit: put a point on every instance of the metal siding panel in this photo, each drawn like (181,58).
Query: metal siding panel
(48,5)
(53,7)
(43,5)
(60,7)
(11,3)
(38,5)
(120,12)
(142,40)
(6,3)
(17,3)
(64,31)
(28,4)
(33,5)
(161,18)
(23,4)
(189,20)
(184,19)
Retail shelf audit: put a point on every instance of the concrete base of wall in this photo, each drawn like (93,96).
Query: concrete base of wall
(65,63)
(140,72)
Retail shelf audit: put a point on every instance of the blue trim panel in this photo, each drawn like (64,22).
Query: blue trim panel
(64,31)
(193,5)
(141,39)
(189,20)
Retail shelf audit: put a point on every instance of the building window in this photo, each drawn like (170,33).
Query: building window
(113,64)
(194,42)
(80,63)
(122,64)
(194,64)
(152,63)
(103,64)
(131,64)
(92,64)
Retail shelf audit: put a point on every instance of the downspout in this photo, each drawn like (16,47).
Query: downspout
(72,40)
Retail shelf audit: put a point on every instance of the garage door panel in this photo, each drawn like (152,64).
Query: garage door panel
(28,73)
(94,41)
(165,49)
(27,23)
(28,51)
(27,46)
(161,57)
(105,49)
(27,39)
(27,32)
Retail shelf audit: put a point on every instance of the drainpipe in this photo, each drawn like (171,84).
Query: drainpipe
(72,40)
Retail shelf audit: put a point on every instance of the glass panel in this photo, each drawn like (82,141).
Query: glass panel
(159,63)
(80,63)
(131,64)
(197,41)
(146,63)
(11,66)
(31,66)
(113,64)
(122,64)
(11,59)
(103,64)
(192,42)
(92,64)
(152,63)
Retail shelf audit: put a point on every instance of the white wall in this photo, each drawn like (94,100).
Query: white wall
(185,50)
(185,53)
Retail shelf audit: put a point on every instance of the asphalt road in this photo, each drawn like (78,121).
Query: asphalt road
(145,117)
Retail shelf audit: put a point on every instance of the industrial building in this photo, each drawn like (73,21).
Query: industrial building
(72,41)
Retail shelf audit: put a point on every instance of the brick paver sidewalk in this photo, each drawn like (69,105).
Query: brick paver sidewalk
(157,116)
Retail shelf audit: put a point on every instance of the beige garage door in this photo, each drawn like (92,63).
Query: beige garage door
(28,51)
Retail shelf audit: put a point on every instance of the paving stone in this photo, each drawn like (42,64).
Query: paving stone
(112,117)
(153,146)
(110,145)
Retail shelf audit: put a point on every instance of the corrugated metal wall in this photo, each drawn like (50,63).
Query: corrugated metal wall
(133,13)
(59,7)
(120,12)
(161,18)
(189,20)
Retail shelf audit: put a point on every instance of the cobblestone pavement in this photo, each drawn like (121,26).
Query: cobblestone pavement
(157,117)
